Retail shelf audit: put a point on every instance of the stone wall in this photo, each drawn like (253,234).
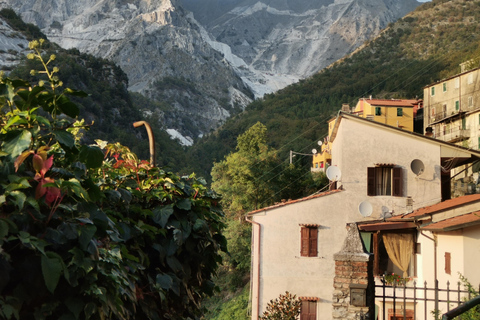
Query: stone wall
(353,295)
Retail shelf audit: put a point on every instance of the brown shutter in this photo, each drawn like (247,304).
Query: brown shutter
(448,263)
(397,182)
(371,181)
(313,242)
(304,241)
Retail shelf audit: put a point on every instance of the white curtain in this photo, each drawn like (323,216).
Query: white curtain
(400,249)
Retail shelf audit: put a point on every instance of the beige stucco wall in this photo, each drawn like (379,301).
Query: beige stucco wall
(282,268)
(361,146)
(356,146)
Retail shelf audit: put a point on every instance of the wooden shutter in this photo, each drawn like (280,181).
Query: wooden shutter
(371,181)
(308,310)
(397,182)
(448,263)
(312,252)
(305,234)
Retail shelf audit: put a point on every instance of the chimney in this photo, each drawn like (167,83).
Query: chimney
(346,108)
(429,132)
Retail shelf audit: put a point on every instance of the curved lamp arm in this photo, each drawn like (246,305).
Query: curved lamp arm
(151,139)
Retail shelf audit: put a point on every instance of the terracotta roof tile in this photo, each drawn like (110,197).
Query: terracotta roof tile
(392,103)
(454,223)
(278,205)
(444,205)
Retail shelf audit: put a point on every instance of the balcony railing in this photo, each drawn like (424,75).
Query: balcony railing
(453,134)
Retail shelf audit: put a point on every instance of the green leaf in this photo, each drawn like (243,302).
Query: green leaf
(161,215)
(52,266)
(174,264)
(67,107)
(17,183)
(19,198)
(64,138)
(16,141)
(92,156)
(164,281)
(75,306)
(76,93)
(93,190)
(89,310)
(200,225)
(73,185)
(86,234)
(3,229)
(184,204)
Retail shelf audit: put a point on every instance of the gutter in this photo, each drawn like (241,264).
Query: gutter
(258,264)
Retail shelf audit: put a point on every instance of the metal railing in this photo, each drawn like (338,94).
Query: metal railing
(414,302)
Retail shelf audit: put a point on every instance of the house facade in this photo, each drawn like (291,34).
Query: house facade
(452,112)
(398,113)
(293,243)
(439,244)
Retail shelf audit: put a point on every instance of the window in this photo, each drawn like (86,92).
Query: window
(309,241)
(457,83)
(470,101)
(478,143)
(479,119)
(316,165)
(448,264)
(399,112)
(378,111)
(457,105)
(470,78)
(384,180)
(444,87)
(308,310)
(386,251)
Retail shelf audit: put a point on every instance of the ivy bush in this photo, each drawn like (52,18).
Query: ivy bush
(90,231)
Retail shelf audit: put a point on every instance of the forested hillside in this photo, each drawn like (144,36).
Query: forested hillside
(425,46)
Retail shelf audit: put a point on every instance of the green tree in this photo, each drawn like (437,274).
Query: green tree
(90,231)
(245,178)
(286,307)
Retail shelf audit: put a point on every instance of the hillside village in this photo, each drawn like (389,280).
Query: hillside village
(403,209)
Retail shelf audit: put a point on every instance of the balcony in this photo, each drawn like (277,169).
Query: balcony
(453,134)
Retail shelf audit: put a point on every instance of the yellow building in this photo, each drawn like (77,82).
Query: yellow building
(323,159)
(395,112)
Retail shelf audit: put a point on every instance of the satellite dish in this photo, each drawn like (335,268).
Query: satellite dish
(314,151)
(334,173)
(385,213)
(417,167)
(365,208)
(320,143)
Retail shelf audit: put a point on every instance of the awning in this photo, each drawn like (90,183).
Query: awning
(386,226)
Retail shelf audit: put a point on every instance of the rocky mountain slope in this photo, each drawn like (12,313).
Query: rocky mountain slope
(158,47)
(281,41)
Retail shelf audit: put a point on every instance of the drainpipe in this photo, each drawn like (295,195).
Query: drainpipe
(151,139)
(257,244)
(435,241)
